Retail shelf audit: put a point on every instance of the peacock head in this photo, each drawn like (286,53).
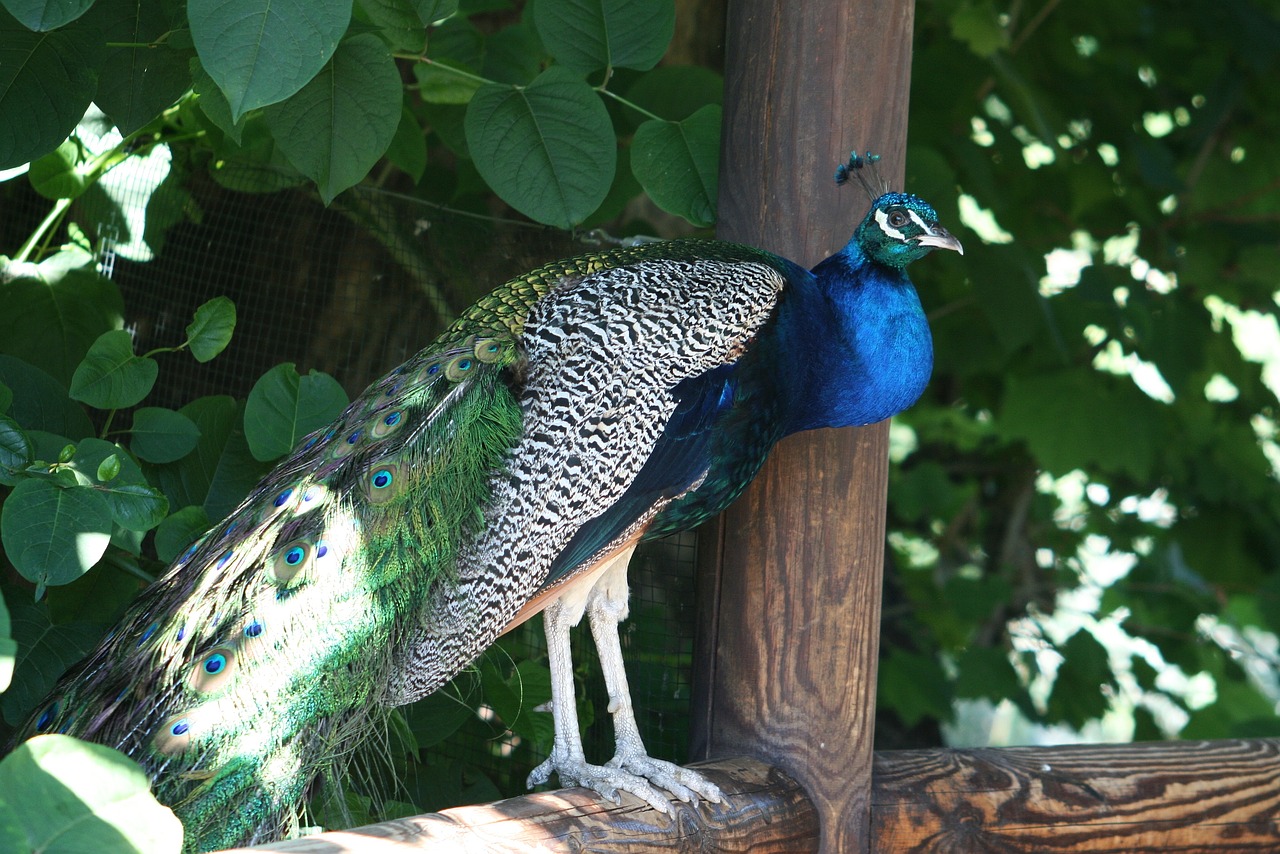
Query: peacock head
(899,228)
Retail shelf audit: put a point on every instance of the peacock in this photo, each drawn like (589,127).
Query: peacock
(509,468)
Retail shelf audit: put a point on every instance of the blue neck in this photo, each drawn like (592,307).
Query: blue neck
(854,345)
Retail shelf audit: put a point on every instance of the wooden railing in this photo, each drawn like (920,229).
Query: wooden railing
(1202,796)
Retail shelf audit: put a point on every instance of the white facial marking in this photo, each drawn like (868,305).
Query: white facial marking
(918,221)
(882,219)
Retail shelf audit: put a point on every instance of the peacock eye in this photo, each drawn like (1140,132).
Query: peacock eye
(897,219)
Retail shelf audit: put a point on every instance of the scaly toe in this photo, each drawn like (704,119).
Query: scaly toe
(607,780)
(683,783)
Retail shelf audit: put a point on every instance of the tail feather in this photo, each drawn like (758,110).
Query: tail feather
(263,653)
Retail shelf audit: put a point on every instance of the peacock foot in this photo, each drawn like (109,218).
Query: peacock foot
(635,773)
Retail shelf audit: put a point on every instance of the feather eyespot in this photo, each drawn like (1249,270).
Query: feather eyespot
(427,374)
(488,350)
(254,629)
(283,497)
(147,633)
(173,736)
(347,446)
(188,554)
(222,561)
(458,368)
(384,483)
(214,670)
(388,424)
(290,562)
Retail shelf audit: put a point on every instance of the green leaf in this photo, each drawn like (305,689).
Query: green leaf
(221,470)
(213,104)
(162,435)
(61,795)
(47,81)
(179,531)
(54,535)
(40,402)
(408,149)
(136,507)
(45,651)
(210,332)
(398,22)
(111,376)
(99,598)
(1078,687)
(109,468)
(978,25)
(148,71)
(337,126)
(52,324)
(57,175)
(260,52)
(514,54)
(587,35)
(283,407)
(1071,419)
(15,450)
(430,11)
(678,164)
(1006,286)
(90,456)
(438,85)
(914,686)
(547,149)
(45,15)
(986,672)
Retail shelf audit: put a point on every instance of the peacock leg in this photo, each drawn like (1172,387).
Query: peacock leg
(631,770)
(606,608)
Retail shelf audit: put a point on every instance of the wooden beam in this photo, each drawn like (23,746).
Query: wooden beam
(766,812)
(1185,796)
(790,595)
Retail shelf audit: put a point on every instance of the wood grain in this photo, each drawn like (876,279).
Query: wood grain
(766,812)
(790,598)
(1219,796)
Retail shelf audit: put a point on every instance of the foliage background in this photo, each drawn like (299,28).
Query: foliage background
(1084,520)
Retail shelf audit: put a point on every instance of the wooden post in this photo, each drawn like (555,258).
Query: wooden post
(791,590)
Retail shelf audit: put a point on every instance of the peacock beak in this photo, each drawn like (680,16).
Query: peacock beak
(939,238)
